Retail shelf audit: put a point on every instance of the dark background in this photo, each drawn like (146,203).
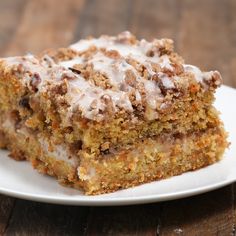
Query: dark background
(205,34)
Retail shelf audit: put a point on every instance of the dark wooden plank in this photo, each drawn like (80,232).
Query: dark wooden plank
(140,220)
(31,218)
(45,24)
(207,214)
(103,17)
(6,208)
(155,19)
(10,14)
(234,208)
(204,37)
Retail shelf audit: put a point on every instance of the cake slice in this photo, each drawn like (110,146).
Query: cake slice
(110,113)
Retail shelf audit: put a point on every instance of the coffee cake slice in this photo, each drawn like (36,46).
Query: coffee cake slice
(110,113)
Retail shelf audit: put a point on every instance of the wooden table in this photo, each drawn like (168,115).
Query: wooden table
(205,34)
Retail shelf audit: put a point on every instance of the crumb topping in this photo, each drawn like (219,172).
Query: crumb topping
(111,74)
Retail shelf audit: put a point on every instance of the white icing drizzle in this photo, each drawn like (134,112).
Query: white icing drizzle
(85,44)
(115,69)
(165,63)
(195,71)
(59,152)
(166,80)
(91,173)
(89,98)
(153,92)
(71,63)
(138,96)
(208,75)
(137,51)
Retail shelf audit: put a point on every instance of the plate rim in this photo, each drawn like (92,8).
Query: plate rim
(121,201)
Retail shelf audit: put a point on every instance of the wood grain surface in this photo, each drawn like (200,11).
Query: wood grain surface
(205,34)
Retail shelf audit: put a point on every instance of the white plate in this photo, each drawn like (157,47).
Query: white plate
(18,179)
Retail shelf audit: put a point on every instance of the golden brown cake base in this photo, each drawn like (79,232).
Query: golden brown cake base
(148,160)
